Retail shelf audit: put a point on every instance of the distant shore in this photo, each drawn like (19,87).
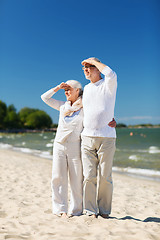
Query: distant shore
(28,130)
(154,126)
(55,129)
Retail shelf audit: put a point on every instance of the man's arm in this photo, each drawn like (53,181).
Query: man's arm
(110,75)
(95,62)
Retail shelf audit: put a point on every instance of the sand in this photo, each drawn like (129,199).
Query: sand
(25,205)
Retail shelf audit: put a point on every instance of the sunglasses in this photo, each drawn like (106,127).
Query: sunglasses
(88,66)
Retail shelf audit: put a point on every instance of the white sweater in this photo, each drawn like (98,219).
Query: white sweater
(98,105)
(71,129)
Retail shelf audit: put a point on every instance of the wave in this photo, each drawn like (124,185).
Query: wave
(132,150)
(42,154)
(151,149)
(5,146)
(143,173)
(133,157)
(154,149)
(49,145)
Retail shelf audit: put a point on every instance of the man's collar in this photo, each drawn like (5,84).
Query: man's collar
(98,82)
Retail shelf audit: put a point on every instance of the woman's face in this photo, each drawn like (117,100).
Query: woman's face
(71,94)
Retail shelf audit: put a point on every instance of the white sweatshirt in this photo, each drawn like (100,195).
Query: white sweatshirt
(98,105)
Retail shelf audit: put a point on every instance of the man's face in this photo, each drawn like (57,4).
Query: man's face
(90,71)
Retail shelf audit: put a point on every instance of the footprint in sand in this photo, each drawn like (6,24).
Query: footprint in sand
(16,237)
(49,211)
(2,214)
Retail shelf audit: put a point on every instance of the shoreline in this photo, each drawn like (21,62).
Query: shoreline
(148,174)
(26,211)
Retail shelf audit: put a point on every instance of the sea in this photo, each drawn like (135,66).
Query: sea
(137,150)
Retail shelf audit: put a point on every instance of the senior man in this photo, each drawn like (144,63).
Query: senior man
(98,139)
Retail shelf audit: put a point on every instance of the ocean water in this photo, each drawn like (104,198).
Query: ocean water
(137,150)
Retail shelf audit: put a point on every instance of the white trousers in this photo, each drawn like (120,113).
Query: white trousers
(67,160)
(97,157)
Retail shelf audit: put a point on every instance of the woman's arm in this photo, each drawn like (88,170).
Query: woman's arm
(47,98)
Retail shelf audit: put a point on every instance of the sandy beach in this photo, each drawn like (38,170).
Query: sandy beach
(25,205)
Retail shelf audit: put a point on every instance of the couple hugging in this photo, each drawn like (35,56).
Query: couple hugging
(84,145)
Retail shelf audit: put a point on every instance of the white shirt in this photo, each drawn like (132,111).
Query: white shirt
(98,105)
(70,118)
(67,126)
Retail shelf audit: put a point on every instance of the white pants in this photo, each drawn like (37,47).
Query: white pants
(97,156)
(67,159)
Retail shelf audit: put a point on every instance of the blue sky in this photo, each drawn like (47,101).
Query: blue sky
(43,42)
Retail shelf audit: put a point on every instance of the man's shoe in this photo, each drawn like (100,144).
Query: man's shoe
(105,215)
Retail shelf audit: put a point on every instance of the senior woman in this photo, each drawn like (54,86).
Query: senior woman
(67,149)
(66,153)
